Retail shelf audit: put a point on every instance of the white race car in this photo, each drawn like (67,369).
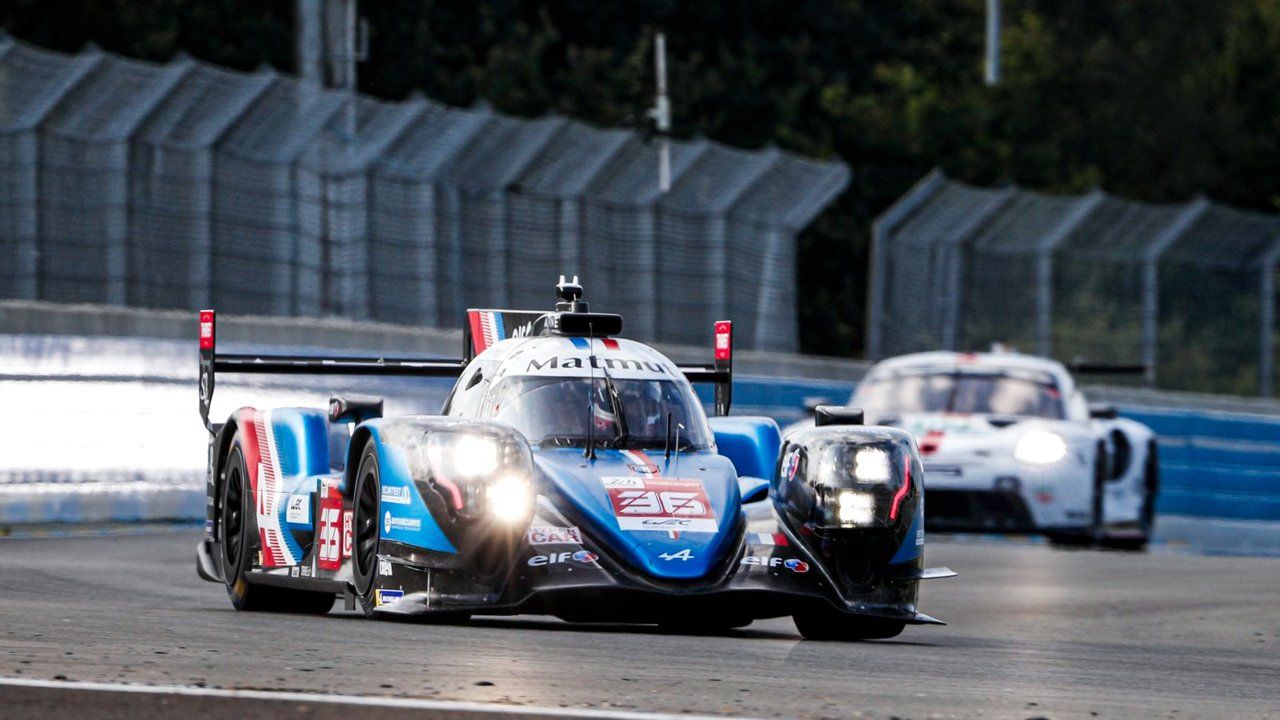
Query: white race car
(1010,445)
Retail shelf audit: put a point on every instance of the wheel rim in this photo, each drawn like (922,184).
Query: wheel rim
(367,527)
(233,516)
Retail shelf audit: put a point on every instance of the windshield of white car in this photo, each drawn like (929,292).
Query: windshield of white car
(555,412)
(978,393)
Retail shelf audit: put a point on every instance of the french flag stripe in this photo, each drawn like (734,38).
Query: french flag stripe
(610,344)
(478,339)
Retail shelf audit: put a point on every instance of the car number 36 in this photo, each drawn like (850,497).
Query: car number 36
(649,502)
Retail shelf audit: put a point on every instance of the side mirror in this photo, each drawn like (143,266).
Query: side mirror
(825,415)
(811,404)
(1102,411)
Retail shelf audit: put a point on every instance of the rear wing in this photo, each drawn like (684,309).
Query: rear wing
(1081,367)
(479,333)
(212,363)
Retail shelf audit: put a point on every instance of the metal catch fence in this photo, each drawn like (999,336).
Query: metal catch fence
(1187,290)
(182,185)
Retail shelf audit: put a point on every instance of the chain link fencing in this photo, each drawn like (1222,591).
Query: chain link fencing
(183,185)
(1187,291)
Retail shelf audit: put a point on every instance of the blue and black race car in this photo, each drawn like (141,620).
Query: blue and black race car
(570,473)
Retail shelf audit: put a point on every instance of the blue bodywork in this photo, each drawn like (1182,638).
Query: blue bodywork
(750,443)
(566,473)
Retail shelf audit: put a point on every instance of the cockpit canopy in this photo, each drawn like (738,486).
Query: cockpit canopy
(1022,394)
(621,413)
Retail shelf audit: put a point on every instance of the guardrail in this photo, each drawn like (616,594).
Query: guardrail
(1222,465)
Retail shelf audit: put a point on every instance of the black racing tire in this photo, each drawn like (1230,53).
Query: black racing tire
(365,502)
(828,624)
(239,533)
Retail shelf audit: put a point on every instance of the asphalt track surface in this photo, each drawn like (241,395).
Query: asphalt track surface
(1035,632)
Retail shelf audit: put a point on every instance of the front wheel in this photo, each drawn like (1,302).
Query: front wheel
(1091,533)
(830,624)
(364,524)
(1147,513)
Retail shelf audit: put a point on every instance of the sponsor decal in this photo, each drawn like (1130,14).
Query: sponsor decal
(1044,494)
(346,533)
(572,364)
(396,495)
(919,536)
(386,597)
(649,469)
(795,565)
(581,556)
(384,567)
(640,501)
(294,571)
(307,571)
(791,463)
(329,551)
(546,535)
(391,522)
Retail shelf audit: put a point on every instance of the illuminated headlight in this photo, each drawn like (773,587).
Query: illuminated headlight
(510,498)
(871,465)
(1040,447)
(463,456)
(479,473)
(855,508)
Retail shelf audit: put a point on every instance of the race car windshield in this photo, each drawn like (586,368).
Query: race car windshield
(990,394)
(555,412)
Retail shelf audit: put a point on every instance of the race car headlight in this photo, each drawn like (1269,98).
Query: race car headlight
(462,456)
(509,498)
(855,508)
(478,473)
(1040,447)
(871,465)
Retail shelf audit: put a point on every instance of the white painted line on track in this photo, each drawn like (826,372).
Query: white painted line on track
(362,700)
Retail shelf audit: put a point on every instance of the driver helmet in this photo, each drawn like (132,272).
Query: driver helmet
(602,410)
(643,401)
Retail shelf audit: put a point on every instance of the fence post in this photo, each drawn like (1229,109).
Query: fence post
(878,261)
(1044,267)
(954,253)
(1151,280)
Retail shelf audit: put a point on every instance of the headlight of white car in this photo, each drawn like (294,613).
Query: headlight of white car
(1040,447)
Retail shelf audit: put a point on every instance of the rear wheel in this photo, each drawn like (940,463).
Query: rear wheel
(239,534)
(830,624)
